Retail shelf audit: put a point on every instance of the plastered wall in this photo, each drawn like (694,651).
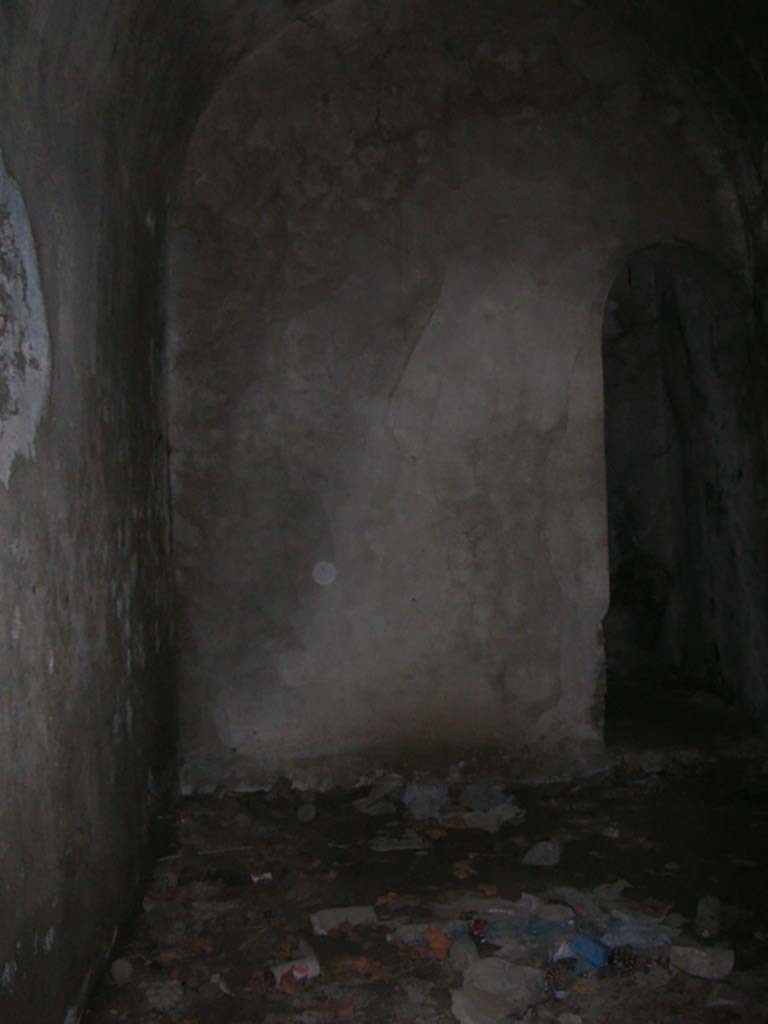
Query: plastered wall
(390,258)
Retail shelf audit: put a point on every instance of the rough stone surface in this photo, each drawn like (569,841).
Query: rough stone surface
(87,750)
(24,342)
(389,266)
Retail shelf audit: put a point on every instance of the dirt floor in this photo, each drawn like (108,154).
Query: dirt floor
(462,928)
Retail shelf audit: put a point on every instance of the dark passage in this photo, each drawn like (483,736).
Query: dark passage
(680,482)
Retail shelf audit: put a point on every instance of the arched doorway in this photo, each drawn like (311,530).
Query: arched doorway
(676,355)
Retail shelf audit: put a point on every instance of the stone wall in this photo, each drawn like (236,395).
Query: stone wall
(390,258)
(87,746)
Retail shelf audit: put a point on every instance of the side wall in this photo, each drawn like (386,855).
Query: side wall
(389,265)
(86,741)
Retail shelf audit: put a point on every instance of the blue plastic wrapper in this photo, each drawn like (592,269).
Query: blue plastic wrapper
(591,949)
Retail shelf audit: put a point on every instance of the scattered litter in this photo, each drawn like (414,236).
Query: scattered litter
(545,854)
(490,807)
(303,968)
(425,800)
(221,984)
(483,796)
(325,921)
(364,967)
(676,921)
(264,876)
(491,821)
(555,913)
(390,844)
(462,869)
(712,964)
(562,956)
(484,906)
(641,931)
(519,986)
(418,991)
(708,917)
(589,948)
(561,976)
(226,849)
(416,934)
(381,809)
(463,953)
(502,931)
(438,940)
(377,801)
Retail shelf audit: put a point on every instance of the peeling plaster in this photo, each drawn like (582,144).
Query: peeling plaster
(24,340)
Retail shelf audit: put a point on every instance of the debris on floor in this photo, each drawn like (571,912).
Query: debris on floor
(545,854)
(325,921)
(432,902)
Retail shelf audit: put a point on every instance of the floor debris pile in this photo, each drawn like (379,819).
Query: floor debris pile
(640,897)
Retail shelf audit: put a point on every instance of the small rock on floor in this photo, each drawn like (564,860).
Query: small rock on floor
(545,854)
(711,964)
(519,986)
(325,921)
(165,996)
(121,971)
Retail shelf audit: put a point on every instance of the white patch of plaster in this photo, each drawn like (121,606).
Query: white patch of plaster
(51,661)
(24,339)
(50,938)
(325,573)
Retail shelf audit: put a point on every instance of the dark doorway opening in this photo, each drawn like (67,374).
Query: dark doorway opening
(675,347)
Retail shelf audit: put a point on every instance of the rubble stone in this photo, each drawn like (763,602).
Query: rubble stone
(324,921)
(519,986)
(545,854)
(712,964)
